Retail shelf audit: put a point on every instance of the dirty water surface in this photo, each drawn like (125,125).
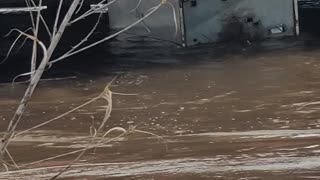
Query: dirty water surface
(224,112)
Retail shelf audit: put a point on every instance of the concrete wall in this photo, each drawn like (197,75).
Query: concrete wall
(160,24)
(223,20)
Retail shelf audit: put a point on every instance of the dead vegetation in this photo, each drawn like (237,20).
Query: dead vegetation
(98,136)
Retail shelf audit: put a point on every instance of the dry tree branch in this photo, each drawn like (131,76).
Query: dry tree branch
(134,130)
(29,73)
(140,15)
(58,117)
(14,43)
(92,11)
(21,108)
(68,112)
(36,78)
(86,38)
(48,52)
(174,17)
(149,12)
(56,21)
(46,26)
(56,38)
(152,10)
(80,6)
(101,144)
(9,165)
(137,6)
(36,28)
(12,160)
(89,146)
(4,164)
(21,75)
(107,95)
(39,15)
(21,45)
(35,34)
(30,13)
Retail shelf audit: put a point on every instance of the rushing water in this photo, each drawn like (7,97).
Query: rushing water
(226,111)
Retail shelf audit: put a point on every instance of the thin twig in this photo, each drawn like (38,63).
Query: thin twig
(90,147)
(174,18)
(86,38)
(22,106)
(107,95)
(152,10)
(46,26)
(92,11)
(30,13)
(5,166)
(12,160)
(58,117)
(80,6)
(35,34)
(75,151)
(14,42)
(36,78)
(55,26)
(20,75)
(137,6)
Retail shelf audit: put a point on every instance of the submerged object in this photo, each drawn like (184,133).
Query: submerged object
(278,29)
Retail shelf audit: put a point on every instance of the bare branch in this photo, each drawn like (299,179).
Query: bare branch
(58,117)
(138,5)
(21,75)
(47,53)
(12,160)
(92,11)
(35,34)
(80,6)
(174,18)
(14,43)
(86,38)
(98,137)
(46,26)
(5,166)
(21,108)
(57,18)
(11,47)
(152,10)
(31,15)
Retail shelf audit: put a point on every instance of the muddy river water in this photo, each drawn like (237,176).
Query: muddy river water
(230,111)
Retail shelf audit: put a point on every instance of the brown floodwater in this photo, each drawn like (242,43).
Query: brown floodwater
(225,111)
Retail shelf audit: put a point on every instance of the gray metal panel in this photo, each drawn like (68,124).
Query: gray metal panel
(161,24)
(216,20)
